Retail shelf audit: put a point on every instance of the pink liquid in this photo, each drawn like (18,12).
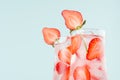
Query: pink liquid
(77,65)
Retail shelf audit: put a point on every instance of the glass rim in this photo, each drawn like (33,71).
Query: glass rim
(96,31)
(93,31)
(84,31)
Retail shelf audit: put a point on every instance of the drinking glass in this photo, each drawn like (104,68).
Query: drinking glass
(80,56)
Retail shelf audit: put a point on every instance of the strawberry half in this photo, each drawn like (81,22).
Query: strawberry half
(72,18)
(64,55)
(66,75)
(75,43)
(95,49)
(81,73)
(60,67)
(50,35)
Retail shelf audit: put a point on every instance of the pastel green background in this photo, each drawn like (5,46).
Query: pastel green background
(23,53)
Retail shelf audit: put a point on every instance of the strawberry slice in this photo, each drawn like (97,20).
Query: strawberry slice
(95,49)
(72,19)
(81,73)
(60,67)
(66,75)
(64,55)
(50,35)
(75,43)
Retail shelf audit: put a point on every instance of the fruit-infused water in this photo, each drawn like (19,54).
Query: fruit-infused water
(80,56)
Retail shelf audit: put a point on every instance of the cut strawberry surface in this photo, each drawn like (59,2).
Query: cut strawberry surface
(81,73)
(95,49)
(60,67)
(73,19)
(64,55)
(66,75)
(75,43)
(50,35)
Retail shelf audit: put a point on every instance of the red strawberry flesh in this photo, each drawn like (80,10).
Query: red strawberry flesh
(60,67)
(72,19)
(66,75)
(50,35)
(64,55)
(95,49)
(81,73)
(75,43)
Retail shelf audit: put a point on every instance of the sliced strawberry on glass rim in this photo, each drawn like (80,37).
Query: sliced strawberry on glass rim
(65,55)
(73,19)
(75,43)
(81,73)
(50,35)
(95,49)
(60,67)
